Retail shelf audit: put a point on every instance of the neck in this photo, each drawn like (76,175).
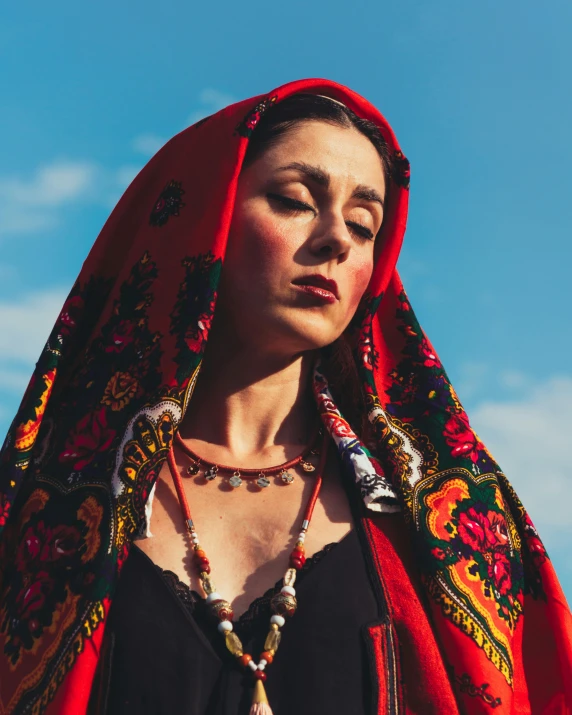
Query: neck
(248,404)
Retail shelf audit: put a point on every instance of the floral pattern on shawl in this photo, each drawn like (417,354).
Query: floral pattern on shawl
(110,387)
(376,491)
(250,121)
(468,521)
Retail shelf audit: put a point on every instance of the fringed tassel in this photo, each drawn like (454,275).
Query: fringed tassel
(260,704)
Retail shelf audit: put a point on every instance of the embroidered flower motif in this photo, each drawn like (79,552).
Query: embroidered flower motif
(4,509)
(474,529)
(90,436)
(500,573)
(537,550)
(250,121)
(44,543)
(197,335)
(68,316)
(471,546)
(32,598)
(119,391)
(337,425)
(401,170)
(429,357)
(168,204)
(439,553)
(368,355)
(121,336)
(192,315)
(459,435)
(533,542)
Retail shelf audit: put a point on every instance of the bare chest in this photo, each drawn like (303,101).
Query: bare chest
(247,533)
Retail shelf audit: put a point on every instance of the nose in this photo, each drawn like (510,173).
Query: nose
(332,240)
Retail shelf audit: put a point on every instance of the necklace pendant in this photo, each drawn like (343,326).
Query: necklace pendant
(260,704)
(263,481)
(211,473)
(286,477)
(235,481)
(193,469)
(307,466)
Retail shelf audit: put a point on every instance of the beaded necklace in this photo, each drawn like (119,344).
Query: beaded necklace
(211,469)
(283,604)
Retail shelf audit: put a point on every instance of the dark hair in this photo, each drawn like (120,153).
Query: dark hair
(297,108)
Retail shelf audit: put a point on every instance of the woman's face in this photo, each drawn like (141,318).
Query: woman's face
(301,244)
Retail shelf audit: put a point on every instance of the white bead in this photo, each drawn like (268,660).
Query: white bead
(252,665)
(302,537)
(224,627)
(279,620)
(214,596)
(261,665)
(288,590)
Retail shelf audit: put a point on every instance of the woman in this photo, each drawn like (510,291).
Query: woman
(322,443)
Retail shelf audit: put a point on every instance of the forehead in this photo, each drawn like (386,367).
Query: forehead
(344,153)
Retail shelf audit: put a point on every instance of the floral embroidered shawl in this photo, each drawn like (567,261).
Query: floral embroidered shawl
(475,604)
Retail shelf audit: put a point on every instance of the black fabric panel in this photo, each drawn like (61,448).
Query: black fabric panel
(168,657)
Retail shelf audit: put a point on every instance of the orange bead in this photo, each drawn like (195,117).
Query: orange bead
(244,660)
(297,563)
(268,657)
(200,554)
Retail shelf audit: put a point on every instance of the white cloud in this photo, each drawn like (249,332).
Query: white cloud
(125,175)
(15,220)
(33,204)
(30,205)
(50,185)
(14,380)
(472,377)
(147,144)
(210,101)
(531,438)
(37,204)
(514,379)
(24,329)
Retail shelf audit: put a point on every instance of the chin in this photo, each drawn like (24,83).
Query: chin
(308,335)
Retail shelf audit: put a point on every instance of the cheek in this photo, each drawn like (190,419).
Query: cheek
(359,278)
(258,246)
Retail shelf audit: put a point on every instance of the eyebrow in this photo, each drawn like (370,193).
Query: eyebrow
(321,177)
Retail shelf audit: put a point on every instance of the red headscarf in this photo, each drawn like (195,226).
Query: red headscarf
(111,386)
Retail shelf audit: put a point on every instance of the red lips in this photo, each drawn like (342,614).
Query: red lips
(318,281)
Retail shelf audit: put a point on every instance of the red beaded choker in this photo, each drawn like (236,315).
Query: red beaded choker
(211,469)
(283,604)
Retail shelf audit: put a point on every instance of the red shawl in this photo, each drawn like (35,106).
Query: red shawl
(474,616)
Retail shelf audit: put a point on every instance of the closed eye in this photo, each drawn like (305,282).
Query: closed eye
(363,231)
(295,205)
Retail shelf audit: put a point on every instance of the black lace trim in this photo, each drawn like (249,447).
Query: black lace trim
(258,609)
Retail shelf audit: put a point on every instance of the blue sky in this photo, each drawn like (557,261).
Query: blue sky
(479,97)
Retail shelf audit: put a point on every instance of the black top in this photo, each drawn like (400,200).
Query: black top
(164,655)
